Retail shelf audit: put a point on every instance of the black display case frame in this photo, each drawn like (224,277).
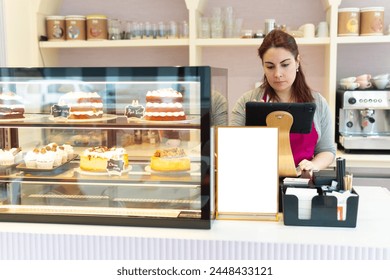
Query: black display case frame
(202,75)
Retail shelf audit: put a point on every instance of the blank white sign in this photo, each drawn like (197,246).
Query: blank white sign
(247,170)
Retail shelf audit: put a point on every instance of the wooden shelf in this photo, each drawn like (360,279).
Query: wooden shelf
(363,39)
(254,42)
(114,43)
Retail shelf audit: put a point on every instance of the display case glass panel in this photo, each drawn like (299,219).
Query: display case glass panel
(110,145)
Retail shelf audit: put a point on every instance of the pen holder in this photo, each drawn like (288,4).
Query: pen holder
(340,173)
(324,211)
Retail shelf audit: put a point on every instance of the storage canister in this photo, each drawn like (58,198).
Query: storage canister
(75,27)
(97,27)
(348,22)
(372,21)
(55,28)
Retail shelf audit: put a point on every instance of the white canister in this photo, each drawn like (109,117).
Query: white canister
(372,21)
(348,22)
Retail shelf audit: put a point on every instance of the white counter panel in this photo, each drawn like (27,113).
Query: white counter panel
(225,240)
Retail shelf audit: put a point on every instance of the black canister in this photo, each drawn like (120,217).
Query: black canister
(340,173)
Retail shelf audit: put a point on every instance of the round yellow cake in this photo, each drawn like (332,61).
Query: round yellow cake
(170,160)
(95,159)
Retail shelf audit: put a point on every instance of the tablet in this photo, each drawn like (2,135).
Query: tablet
(303,113)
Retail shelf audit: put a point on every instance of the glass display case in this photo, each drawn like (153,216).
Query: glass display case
(110,145)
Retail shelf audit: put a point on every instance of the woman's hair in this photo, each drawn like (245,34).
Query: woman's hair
(280,39)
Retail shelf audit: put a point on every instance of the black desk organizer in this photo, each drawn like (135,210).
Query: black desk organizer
(323,212)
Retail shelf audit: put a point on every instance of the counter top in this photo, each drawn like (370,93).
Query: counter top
(365,160)
(225,240)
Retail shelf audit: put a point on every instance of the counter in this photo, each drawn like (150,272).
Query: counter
(366,160)
(368,169)
(226,240)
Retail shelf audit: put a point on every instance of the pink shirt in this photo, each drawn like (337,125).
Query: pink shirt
(303,145)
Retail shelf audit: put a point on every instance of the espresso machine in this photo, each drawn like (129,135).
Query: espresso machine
(363,120)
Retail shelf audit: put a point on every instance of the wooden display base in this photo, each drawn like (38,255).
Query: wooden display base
(283,120)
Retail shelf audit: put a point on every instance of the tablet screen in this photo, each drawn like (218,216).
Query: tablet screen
(303,113)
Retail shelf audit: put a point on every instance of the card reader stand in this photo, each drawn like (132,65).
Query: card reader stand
(283,120)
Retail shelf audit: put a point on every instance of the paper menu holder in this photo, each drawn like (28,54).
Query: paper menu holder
(246,174)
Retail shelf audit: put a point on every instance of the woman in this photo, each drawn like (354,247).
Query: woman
(284,81)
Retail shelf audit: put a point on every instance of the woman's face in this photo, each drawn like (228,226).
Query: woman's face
(280,69)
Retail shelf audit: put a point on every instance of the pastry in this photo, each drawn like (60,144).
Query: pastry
(11,106)
(171,159)
(164,105)
(45,159)
(79,105)
(95,159)
(10,156)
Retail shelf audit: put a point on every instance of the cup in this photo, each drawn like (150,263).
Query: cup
(364,84)
(381,76)
(204,30)
(136,30)
(380,83)
(347,80)
(183,29)
(148,30)
(216,27)
(162,30)
(114,29)
(269,25)
(238,22)
(349,85)
(308,30)
(364,81)
(172,30)
(322,29)
(363,77)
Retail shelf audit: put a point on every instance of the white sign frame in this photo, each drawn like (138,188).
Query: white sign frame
(247,178)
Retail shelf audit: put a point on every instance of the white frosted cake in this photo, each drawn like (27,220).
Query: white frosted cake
(82,105)
(11,106)
(164,105)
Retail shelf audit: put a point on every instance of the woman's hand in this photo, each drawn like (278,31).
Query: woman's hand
(320,161)
(307,165)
